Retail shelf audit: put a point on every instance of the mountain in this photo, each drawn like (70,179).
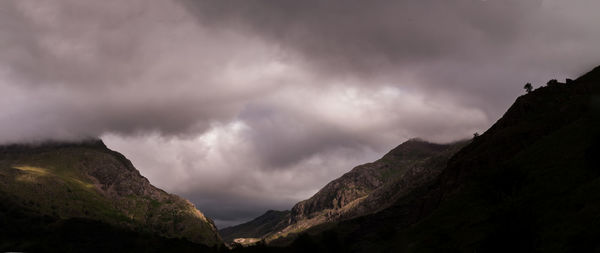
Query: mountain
(258,228)
(531,183)
(409,164)
(65,182)
(365,189)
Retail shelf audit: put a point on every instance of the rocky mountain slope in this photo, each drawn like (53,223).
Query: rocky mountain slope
(87,180)
(531,183)
(258,228)
(365,189)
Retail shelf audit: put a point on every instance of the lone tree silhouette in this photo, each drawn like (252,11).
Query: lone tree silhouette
(528,87)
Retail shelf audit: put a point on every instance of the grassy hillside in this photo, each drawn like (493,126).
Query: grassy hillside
(28,231)
(87,180)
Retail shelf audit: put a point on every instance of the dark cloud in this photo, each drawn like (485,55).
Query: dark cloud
(474,47)
(352,36)
(252,105)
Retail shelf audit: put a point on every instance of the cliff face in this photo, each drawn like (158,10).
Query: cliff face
(88,180)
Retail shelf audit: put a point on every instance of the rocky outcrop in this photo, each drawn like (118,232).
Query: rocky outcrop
(88,180)
(377,183)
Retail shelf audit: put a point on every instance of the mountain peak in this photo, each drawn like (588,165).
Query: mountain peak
(415,147)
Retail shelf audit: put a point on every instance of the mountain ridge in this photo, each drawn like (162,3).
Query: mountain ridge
(530,183)
(87,180)
(365,189)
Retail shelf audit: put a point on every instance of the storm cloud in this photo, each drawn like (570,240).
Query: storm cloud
(252,105)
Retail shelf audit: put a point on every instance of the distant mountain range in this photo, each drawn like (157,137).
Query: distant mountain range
(530,183)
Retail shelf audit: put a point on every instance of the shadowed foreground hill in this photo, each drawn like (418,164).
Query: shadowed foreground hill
(531,183)
(66,183)
(24,230)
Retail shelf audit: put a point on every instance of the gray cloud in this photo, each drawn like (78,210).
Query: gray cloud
(352,35)
(253,105)
(82,69)
(474,47)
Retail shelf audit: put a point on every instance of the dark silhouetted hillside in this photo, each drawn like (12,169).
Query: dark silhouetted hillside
(530,183)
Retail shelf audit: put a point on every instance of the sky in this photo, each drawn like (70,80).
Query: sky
(246,106)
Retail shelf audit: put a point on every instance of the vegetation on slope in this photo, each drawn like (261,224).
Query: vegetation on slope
(27,231)
(87,180)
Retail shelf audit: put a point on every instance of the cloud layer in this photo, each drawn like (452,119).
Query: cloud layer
(254,105)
